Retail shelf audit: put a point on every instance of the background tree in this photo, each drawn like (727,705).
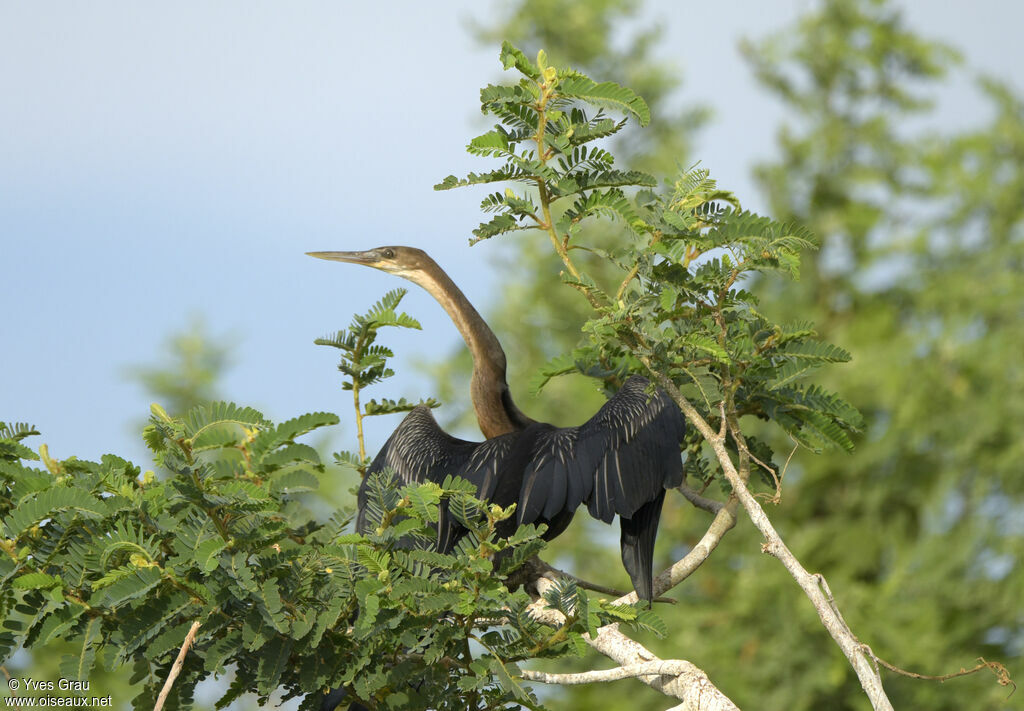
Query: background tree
(192,371)
(908,239)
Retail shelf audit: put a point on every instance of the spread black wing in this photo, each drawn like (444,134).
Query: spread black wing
(419,450)
(619,462)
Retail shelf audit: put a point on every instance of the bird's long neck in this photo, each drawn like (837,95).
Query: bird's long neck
(496,413)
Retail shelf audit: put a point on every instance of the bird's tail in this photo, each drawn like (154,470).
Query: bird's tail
(637,542)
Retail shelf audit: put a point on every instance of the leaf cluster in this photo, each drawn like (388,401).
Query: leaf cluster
(363,362)
(546,125)
(121,563)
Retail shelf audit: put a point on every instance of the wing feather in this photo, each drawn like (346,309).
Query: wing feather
(418,450)
(616,462)
(637,437)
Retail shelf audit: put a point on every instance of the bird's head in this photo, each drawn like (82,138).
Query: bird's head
(407,262)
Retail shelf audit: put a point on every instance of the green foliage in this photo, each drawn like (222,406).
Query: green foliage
(120,564)
(917,244)
(917,277)
(195,362)
(364,363)
(545,118)
(610,40)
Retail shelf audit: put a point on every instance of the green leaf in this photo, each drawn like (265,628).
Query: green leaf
(148,620)
(78,666)
(271,605)
(294,452)
(287,431)
(169,639)
(608,203)
(207,552)
(491,143)
(216,413)
(128,588)
(582,181)
(563,595)
(273,660)
(509,676)
(598,128)
(47,504)
(57,623)
(217,435)
(35,581)
(424,499)
(649,620)
(220,651)
(18,431)
(465,509)
(499,224)
(10,449)
(820,432)
(388,407)
(605,94)
(816,350)
(559,365)
(706,344)
(506,174)
(792,371)
(294,481)
(373,560)
(512,57)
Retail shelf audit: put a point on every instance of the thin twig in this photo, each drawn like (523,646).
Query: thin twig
(552,573)
(7,675)
(176,667)
(701,502)
(1002,674)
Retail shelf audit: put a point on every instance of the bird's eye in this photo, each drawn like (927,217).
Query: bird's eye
(388,253)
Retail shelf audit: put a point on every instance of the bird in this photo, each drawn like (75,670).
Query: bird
(620,462)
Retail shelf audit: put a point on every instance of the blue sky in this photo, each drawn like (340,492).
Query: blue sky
(158,162)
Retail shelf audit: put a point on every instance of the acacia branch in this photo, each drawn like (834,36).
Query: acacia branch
(176,667)
(657,668)
(674,677)
(685,681)
(723,521)
(813,585)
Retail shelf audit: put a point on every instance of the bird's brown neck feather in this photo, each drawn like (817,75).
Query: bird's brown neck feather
(496,413)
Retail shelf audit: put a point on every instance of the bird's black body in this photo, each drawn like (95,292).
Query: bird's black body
(617,463)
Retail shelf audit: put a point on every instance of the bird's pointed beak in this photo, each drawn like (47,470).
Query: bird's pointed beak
(351,257)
